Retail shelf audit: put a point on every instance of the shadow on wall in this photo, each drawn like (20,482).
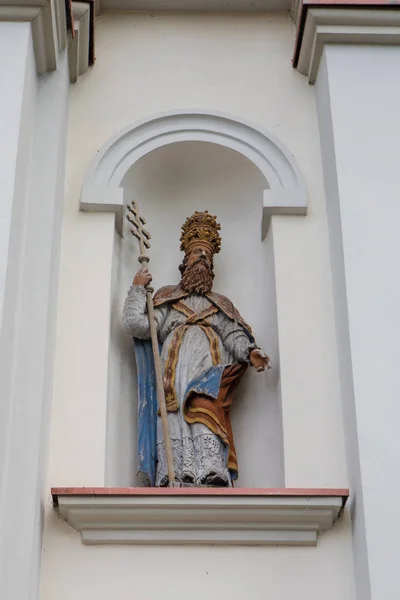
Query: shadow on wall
(170,184)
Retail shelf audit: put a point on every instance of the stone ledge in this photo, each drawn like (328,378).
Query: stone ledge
(221,516)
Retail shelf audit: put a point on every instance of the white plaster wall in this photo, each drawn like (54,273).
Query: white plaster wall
(13,70)
(46,196)
(360,130)
(33,135)
(149,573)
(16,112)
(238,65)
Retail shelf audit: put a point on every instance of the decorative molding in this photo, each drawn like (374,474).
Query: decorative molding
(342,26)
(285,202)
(199,515)
(295,11)
(102,191)
(48,27)
(197,5)
(61,20)
(79,43)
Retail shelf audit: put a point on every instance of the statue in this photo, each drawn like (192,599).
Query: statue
(205,348)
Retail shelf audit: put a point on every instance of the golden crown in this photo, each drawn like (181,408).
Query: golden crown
(201,228)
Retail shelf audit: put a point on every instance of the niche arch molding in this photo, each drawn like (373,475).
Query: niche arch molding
(102,188)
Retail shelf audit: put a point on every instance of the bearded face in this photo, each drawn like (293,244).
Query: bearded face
(197,272)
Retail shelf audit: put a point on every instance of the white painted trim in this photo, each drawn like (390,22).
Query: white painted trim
(102,189)
(344,26)
(48,29)
(61,20)
(78,46)
(283,202)
(28,327)
(220,520)
(197,5)
(295,11)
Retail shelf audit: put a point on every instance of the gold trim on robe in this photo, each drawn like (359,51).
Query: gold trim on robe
(172,293)
(198,319)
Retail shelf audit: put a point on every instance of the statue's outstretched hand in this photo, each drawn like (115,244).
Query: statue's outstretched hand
(259,360)
(142,277)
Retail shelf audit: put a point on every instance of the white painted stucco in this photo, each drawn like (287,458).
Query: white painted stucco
(33,119)
(17,117)
(72,569)
(360,132)
(13,74)
(240,65)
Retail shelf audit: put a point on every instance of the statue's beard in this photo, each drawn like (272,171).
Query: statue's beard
(198,278)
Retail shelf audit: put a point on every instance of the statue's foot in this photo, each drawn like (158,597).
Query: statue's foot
(165,481)
(187,477)
(214,478)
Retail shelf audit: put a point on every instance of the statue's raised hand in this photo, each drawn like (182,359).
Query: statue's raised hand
(259,360)
(142,277)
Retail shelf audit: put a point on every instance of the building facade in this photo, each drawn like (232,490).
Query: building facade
(283,121)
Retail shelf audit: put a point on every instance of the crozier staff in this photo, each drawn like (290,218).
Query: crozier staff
(143,236)
(206,348)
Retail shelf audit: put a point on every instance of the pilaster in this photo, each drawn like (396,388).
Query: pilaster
(352,53)
(33,118)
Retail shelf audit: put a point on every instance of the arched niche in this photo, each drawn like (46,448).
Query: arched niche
(128,166)
(286,191)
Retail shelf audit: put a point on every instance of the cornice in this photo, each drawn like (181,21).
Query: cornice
(79,42)
(244,6)
(345,22)
(48,27)
(218,516)
(49,31)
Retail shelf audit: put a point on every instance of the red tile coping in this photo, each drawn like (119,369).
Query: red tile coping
(306,4)
(154,491)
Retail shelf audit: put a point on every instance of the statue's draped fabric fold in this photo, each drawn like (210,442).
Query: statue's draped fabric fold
(171,293)
(208,400)
(147,411)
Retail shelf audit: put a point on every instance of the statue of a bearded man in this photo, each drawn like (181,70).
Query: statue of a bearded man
(206,347)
